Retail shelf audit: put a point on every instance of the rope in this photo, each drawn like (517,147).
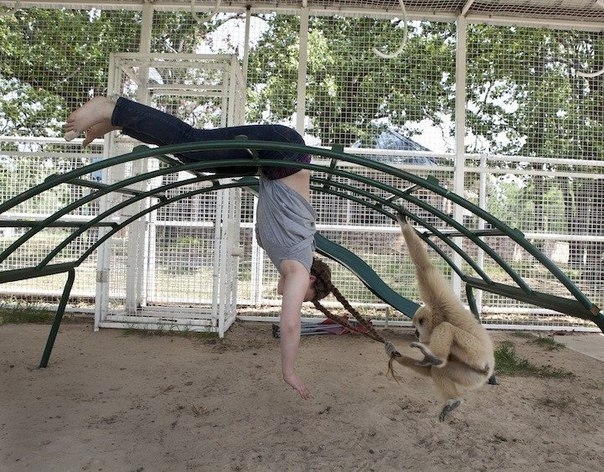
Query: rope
(591,74)
(400,49)
(369,331)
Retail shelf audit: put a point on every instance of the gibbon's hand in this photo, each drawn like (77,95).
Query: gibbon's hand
(401,218)
(391,350)
(429,358)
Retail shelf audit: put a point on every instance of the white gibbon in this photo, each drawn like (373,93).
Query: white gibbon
(457,349)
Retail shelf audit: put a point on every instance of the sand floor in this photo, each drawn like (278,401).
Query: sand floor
(116,401)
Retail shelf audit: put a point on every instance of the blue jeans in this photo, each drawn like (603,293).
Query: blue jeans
(153,126)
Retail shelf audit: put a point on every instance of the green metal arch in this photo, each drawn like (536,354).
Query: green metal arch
(327,186)
(383,205)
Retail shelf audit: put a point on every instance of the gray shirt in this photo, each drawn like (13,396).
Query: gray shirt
(285,225)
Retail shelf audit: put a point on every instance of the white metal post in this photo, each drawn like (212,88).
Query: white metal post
(246,43)
(219,261)
(146,226)
(102,288)
(257,265)
(302,69)
(234,251)
(482,203)
(148,264)
(460,130)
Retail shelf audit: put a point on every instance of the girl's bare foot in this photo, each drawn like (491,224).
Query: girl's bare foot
(97,110)
(97,131)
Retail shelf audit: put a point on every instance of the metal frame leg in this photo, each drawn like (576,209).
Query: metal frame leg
(54,329)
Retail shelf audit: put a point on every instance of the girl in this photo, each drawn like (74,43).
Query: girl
(285,225)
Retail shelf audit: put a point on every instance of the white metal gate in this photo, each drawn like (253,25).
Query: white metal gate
(158,252)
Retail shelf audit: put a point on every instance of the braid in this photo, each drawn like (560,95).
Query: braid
(322,273)
(349,308)
(338,319)
(323,287)
(372,333)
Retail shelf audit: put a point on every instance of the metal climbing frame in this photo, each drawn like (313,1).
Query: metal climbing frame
(328,178)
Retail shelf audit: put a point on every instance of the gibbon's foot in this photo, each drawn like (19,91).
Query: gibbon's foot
(391,351)
(429,358)
(450,406)
(97,110)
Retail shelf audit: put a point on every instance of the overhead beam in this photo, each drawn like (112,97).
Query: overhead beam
(584,19)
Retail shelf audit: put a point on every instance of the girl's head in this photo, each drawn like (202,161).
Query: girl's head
(321,273)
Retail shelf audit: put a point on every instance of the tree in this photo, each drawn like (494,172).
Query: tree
(52,60)
(523,94)
(348,86)
(523,86)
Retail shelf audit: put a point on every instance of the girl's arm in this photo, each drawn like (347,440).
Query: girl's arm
(295,282)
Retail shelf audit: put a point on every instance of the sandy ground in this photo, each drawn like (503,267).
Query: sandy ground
(116,401)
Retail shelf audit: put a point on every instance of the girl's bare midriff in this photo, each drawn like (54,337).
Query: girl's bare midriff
(300,182)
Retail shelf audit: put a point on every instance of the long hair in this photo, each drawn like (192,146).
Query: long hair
(322,273)
(324,287)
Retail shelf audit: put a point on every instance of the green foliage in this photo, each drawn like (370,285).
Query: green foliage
(25,110)
(52,60)
(174,330)
(507,362)
(189,242)
(513,201)
(523,97)
(523,94)
(24,313)
(348,86)
(522,85)
(548,343)
(506,203)
(37,48)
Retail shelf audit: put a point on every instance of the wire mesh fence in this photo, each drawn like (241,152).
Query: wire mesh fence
(531,153)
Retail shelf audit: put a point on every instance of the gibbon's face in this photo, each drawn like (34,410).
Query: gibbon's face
(422,320)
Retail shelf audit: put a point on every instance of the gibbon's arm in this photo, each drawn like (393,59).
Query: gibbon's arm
(434,288)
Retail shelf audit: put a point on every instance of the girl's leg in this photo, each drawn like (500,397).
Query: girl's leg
(98,131)
(101,115)
(153,126)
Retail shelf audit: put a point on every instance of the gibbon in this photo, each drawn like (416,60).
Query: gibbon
(457,349)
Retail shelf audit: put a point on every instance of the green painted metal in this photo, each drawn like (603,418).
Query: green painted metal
(365,274)
(545,300)
(54,329)
(12,275)
(389,205)
(142,153)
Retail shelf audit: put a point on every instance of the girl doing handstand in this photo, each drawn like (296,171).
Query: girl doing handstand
(285,225)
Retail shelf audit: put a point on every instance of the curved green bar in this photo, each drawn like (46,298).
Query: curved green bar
(578,306)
